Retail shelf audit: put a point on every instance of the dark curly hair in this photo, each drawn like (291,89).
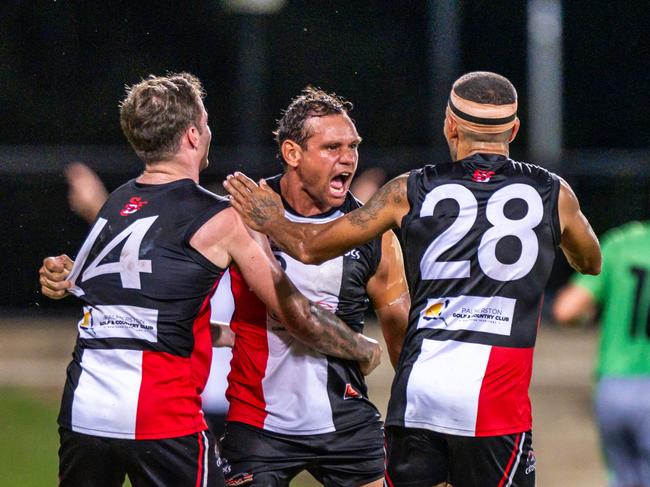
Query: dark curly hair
(157,111)
(312,102)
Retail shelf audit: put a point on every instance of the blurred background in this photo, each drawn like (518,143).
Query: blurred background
(582,69)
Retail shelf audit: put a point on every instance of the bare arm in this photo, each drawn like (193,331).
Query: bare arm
(86,192)
(225,238)
(579,242)
(261,209)
(573,304)
(389,294)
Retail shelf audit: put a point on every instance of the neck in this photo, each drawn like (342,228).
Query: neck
(466,150)
(161,172)
(293,190)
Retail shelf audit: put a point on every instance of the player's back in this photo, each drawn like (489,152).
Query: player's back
(144,340)
(479,243)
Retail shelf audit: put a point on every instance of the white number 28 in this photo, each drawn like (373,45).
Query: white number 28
(433,268)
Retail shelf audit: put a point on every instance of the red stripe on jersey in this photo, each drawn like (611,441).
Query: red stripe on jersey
(506,472)
(199,462)
(249,355)
(503,404)
(169,403)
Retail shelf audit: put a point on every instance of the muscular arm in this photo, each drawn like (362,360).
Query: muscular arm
(578,242)
(261,209)
(389,294)
(225,238)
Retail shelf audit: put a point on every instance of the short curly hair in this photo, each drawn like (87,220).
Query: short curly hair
(485,87)
(156,112)
(312,102)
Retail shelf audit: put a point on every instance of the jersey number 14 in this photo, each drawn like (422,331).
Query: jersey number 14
(129,266)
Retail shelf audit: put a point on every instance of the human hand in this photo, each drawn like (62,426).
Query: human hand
(259,206)
(373,350)
(86,192)
(53,274)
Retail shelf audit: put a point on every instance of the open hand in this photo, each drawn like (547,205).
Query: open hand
(259,206)
(53,274)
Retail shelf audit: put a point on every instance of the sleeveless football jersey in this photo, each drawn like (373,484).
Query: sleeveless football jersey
(276,382)
(479,243)
(144,345)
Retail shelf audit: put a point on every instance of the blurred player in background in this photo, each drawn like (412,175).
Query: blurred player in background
(292,409)
(86,196)
(145,273)
(479,236)
(622,398)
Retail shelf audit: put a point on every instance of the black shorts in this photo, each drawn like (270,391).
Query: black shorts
(94,461)
(421,458)
(254,457)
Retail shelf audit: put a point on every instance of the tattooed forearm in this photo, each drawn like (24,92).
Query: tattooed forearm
(332,335)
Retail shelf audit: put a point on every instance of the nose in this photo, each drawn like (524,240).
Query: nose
(349,156)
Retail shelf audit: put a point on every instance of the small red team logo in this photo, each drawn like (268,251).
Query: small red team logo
(482,176)
(132,206)
(351,393)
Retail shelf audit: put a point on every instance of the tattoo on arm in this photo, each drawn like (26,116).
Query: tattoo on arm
(391,193)
(334,337)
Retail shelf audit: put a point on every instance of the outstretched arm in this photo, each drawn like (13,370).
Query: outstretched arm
(579,242)
(389,294)
(225,238)
(261,209)
(86,192)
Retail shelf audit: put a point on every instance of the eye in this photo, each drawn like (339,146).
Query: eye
(332,147)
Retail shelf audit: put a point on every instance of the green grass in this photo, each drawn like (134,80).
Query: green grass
(30,439)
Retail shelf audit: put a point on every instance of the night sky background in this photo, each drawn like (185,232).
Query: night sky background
(64,65)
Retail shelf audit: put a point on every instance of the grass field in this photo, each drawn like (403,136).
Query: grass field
(28,450)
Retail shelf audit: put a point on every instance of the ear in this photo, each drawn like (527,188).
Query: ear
(450,129)
(193,135)
(291,153)
(515,130)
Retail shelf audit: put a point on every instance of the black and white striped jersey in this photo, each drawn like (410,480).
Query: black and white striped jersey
(276,382)
(144,345)
(479,243)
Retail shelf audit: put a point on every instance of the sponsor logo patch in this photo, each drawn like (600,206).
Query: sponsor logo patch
(132,206)
(482,176)
(119,322)
(474,313)
(351,393)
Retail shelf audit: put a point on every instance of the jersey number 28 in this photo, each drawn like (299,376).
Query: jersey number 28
(433,268)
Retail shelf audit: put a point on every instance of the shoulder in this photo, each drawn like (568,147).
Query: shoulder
(635,230)
(535,171)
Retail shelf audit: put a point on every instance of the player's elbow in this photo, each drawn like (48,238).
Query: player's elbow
(591,265)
